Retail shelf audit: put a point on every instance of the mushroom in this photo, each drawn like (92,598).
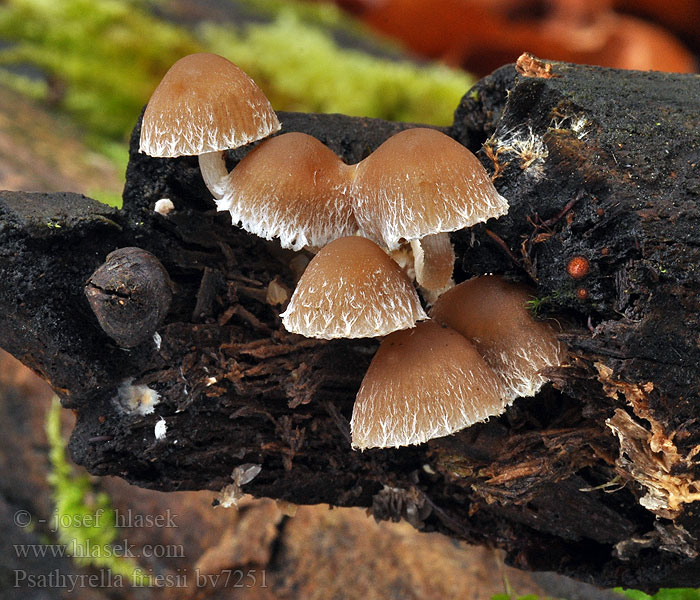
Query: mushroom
(203,106)
(423,383)
(419,183)
(493,314)
(292,187)
(352,289)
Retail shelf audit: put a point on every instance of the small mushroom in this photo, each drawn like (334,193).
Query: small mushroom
(203,106)
(494,315)
(352,289)
(291,187)
(423,383)
(419,183)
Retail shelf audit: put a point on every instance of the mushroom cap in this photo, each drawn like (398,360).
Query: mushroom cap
(419,182)
(352,289)
(205,103)
(423,383)
(493,314)
(292,187)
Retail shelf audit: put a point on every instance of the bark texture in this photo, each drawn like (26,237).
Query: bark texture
(595,477)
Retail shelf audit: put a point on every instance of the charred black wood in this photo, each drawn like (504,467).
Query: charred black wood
(595,477)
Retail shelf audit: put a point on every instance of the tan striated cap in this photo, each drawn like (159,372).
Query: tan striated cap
(352,289)
(493,314)
(420,182)
(423,383)
(205,103)
(291,187)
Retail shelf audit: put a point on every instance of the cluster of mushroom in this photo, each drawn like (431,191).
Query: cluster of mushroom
(429,378)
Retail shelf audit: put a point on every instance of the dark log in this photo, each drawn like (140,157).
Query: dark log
(595,477)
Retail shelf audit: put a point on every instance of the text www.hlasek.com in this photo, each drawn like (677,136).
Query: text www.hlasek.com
(87,549)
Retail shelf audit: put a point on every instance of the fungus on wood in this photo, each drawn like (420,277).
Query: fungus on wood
(595,476)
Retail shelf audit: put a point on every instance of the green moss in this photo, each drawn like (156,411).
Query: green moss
(663,594)
(106,197)
(97,50)
(32,88)
(84,520)
(538,304)
(301,68)
(320,14)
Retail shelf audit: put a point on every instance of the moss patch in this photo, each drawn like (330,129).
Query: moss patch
(84,520)
(302,68)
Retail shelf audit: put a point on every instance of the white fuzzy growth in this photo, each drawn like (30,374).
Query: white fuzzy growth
(579,125)
(528,147)
(386,415)
(160,429)
(272,216)
(339,308)
(139,399)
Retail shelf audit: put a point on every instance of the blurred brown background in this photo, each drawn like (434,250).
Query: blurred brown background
(317,553)
(481,35)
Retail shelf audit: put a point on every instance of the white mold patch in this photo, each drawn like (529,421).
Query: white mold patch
(523,145)
(160,429)
(138,399)
(164,206)
(577,124)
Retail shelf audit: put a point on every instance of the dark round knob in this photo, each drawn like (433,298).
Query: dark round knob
(130,295)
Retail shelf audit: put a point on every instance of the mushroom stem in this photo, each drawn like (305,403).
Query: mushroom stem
(434,260)
(213,168)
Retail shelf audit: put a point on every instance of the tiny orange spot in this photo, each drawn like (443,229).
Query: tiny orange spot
(582,293)
(605,251)
(578,267)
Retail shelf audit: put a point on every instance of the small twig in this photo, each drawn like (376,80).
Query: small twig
(503,245)
(339,420)
(250,318)
(569,205)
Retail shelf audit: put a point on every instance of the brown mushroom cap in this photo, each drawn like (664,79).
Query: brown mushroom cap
(423,383)
(420,182)
(493,314)
(205,103)
(292,187)
(352,289)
